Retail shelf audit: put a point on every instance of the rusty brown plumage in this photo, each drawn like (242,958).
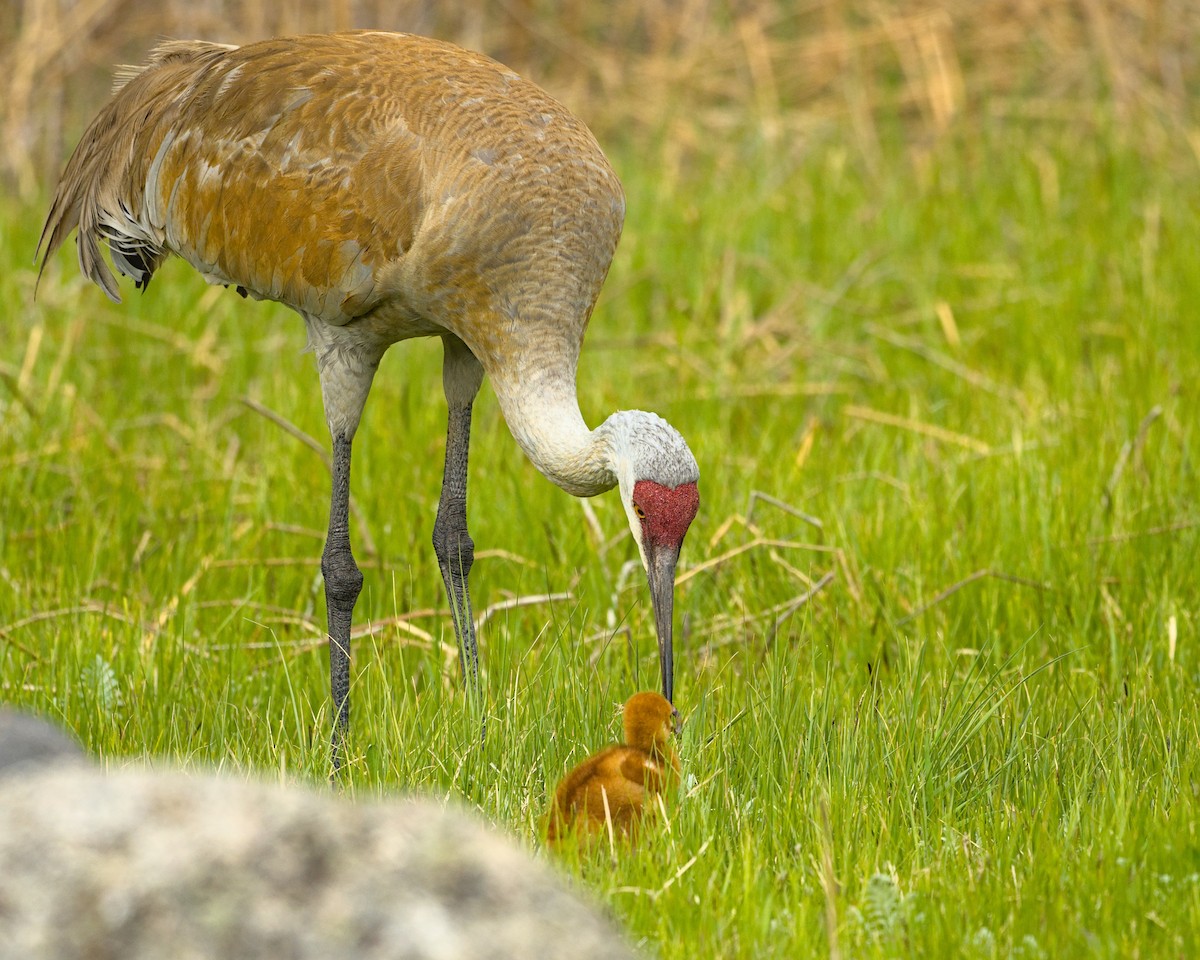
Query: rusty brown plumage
(619,783)
(347,174)
(388,186)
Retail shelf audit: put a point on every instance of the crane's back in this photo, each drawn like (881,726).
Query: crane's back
(351,175)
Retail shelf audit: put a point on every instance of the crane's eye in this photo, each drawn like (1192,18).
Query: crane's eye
(639,512)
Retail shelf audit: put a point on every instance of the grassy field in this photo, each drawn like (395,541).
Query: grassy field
(942,702)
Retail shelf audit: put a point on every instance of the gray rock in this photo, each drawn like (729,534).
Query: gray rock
(27,742)
(155,864)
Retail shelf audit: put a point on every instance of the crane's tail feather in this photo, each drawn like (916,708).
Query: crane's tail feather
(74,206)
(65,216)
(97,193)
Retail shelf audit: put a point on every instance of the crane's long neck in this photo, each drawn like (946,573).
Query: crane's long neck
(543,415)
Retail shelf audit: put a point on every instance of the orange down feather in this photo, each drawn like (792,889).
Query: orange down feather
(618,784)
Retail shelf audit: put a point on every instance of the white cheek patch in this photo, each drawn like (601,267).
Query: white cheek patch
(635,527)
(635,523)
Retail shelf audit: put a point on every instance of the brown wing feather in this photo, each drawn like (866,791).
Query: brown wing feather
(614,782)
(305,169)
(572,785)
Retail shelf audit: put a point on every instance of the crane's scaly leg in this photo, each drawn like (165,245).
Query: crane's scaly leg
(343,581)
(461,378)
(347,365)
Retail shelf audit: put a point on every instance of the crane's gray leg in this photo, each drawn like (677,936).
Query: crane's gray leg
(461,378)
(343,581)
(347,367)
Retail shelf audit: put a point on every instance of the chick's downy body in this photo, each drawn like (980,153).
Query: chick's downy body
(618,784)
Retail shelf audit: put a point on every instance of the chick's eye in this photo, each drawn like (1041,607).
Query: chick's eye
(639,512)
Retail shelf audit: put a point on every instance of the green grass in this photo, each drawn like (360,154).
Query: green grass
(976,364)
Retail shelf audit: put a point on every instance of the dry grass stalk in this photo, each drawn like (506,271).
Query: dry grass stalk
(930,430)
(967,581)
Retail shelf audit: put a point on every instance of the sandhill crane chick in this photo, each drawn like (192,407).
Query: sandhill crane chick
(617,786)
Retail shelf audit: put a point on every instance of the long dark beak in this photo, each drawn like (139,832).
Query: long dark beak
(660,571)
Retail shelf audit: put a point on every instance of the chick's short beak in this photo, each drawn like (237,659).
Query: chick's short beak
(660,570)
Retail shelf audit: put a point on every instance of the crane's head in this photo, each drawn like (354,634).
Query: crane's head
(657,477)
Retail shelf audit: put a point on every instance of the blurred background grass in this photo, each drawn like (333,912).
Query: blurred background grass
(685,71)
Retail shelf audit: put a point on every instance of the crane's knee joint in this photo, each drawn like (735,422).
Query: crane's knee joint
(454,548)
(343,579)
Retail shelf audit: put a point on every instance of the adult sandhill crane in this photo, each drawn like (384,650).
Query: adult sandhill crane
(387,186)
